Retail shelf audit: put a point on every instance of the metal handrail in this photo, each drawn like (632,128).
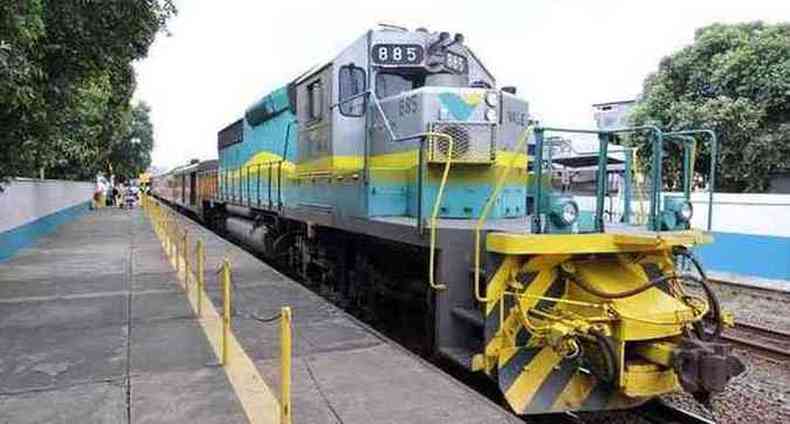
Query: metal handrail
(603,136)
(436,205)
(713,159)
(487,208)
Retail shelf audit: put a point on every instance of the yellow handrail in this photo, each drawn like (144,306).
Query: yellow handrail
(436,205)
(487,208)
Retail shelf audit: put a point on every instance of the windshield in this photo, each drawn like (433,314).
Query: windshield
(388,84)
(392,84)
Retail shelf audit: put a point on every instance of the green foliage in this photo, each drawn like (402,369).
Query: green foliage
(66,81)
(734,79)
(132,155)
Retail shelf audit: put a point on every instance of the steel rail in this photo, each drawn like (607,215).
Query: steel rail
(745,286)
(660,412)
(779,340)
(763,329)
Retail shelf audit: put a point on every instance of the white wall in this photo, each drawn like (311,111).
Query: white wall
(742,213)
(25,200)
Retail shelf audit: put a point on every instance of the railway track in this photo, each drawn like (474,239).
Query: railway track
(659,412)
(771,292)
(765,340)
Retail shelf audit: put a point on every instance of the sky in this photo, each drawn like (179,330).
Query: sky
(562,55)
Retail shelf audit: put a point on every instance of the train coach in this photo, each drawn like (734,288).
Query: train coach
(401,178)
(187,187)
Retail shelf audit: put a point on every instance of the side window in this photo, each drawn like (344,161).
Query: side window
(315,91)
(353,82)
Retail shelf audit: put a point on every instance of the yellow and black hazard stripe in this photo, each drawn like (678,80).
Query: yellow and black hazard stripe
(540,381)
(522,375)
(537,379)
(502,327)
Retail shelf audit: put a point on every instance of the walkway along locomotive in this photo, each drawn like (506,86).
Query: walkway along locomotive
(398,176)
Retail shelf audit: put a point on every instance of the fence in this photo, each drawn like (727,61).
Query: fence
(190,265)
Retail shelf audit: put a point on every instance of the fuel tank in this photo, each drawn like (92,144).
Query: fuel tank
(244,230)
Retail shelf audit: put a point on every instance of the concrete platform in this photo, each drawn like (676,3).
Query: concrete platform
(95,328)
(343,371)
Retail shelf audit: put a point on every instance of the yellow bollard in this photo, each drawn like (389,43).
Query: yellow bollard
(166,233)
(225,309)
(185,255)
(173,244)
(176,251)
(165,238)
(285,365)
(201,264)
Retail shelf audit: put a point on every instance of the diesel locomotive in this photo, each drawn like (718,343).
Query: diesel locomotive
(400,176)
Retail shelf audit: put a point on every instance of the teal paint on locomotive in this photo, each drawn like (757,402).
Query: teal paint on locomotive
(385,182)
(268,135)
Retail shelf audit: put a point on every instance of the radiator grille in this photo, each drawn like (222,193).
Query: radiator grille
(472,142)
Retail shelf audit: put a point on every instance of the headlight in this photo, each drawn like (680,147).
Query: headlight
(492,98)
(570,212)
(564,212)
(676,214)
(491,115)
(685,211)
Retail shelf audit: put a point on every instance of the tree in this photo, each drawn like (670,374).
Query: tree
(131,156)
(734,79)
(66,80)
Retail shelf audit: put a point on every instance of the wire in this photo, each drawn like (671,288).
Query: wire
(265,320)
(712,304)
(606,346)
(579,280)
(247,315)
(713,300)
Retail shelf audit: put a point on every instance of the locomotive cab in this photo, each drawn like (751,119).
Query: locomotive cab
(445,110)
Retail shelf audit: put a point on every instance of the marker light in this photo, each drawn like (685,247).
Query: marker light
(492,98)
(564,212)
(570,211)
(685,211)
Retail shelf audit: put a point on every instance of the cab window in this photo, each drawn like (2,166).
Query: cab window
(352,81)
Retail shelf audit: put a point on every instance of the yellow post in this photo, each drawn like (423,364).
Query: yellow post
(173,245)
(165,229)
(172,237)
(185,255)
(165,232)
(178,252)
(285,365)
(225,309)
(201,263)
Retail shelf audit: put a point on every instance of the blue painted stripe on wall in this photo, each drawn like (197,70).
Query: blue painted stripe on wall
(761,256)
(20,237)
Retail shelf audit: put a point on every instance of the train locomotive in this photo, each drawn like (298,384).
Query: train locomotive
(399,176)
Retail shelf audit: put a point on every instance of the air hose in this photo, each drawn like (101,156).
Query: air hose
(713,301)
(608,372)
(715,306)
(579,280)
